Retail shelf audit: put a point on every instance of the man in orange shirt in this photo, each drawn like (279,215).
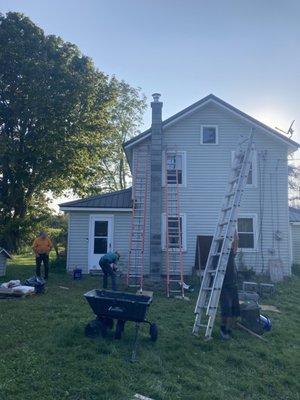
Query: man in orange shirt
(42,246)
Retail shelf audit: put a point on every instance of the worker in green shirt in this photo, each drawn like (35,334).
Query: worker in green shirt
(108,265)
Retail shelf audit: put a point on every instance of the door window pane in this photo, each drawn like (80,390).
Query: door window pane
(100,245)
(101,228)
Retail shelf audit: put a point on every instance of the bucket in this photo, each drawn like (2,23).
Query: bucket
(77,274)
(265,322)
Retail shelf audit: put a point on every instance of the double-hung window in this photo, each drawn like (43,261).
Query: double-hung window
(174,230)
(247,231)
(174,168)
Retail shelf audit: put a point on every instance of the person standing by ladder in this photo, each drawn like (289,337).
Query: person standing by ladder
(229,299)
(108,265)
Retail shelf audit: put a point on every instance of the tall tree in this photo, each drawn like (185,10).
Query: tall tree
(127,115)
(55,111)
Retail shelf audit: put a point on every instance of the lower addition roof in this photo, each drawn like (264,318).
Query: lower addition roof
(121,200)
(294,214)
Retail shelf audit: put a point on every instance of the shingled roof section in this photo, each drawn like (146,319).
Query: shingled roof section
(118,199)
(294,214)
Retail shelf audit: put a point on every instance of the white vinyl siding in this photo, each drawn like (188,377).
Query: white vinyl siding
(207,171)
(78,238)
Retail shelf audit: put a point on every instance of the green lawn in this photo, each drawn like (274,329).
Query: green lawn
(44,354)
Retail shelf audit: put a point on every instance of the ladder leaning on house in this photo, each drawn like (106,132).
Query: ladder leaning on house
(136,257)
(173,226)
(212,281)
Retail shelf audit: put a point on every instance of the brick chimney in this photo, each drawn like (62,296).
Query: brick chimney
(156,188)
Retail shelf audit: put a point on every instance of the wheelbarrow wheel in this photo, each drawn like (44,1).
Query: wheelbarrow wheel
(153,332)
(109,322)
(92,329)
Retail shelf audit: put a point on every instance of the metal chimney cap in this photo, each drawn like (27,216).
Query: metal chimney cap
(156,97)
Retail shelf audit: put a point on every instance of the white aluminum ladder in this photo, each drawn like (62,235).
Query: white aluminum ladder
(212,281)
(173,224)
(136,257)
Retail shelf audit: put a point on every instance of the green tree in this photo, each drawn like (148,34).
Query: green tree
(126,118)
(55,112)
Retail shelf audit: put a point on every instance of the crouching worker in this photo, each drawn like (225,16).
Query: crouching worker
(108,265)
(229,299)
(42,246)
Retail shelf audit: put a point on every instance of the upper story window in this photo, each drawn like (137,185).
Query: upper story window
(252,176)
(209,134)
(175,165)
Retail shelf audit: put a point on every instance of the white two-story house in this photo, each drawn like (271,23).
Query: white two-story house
(205,136)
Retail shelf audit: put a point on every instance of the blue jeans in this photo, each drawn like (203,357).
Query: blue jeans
(108,271)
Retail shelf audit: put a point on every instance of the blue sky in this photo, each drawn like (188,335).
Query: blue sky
(246,52)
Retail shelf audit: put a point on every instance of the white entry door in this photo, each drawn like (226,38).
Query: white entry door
(100,238)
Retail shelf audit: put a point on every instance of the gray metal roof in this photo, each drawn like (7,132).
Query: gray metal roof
(118,199)
(294,214)
(5,253)
(222,103)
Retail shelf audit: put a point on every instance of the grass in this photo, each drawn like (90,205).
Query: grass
(44,354)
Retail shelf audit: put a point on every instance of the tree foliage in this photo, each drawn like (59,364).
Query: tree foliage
(126,117)
(58,113)
(294,184)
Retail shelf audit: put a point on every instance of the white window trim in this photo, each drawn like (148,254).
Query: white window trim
(183,154)
(255,233)
(217,135)
(163,231)
(254,169)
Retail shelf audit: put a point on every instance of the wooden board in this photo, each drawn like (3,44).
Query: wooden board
(145,293)
(4,293)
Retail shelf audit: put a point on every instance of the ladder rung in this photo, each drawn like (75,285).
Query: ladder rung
(224,223)
(230,194)
(227,209)
(219,239)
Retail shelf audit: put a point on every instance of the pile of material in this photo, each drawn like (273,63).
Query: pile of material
(15,289)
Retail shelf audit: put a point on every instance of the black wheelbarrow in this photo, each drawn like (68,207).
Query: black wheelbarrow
(111,305)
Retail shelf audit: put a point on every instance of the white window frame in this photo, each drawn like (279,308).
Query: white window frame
(254,169)
(163,231)
(183,154)
(253,216)
(217,135)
